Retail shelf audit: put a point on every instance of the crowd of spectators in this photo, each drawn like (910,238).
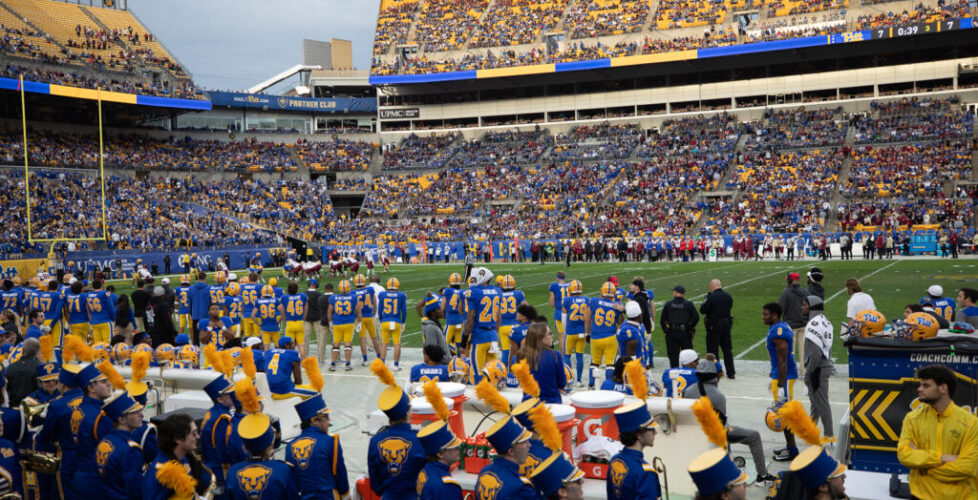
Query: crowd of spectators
(419,153)
(946,9)
(350,184)
(446,25)
(502,148)
(673,14)
(776,32)
(335,156)
(184,89)
(891,213)
(393,25)
(594,18)
(917,170)
(797,7)
(516,22)
(796,128)
(914,119)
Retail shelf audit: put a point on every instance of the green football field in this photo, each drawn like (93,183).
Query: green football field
(892,284)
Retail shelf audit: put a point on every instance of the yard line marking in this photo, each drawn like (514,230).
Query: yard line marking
(836,294)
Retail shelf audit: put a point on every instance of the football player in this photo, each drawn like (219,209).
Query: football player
(483,303)
(558,292)
(574,313)
(604,317)
(393,315)
(293,308)
(365,300)
(250,288)
(511,300)
(453,308)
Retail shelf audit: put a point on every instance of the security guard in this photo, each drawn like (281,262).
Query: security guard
(718,320)
(215,428)
(557,478)
(395,457)
(57,427)
(501,480)
(316,456)
(260,476)
(43,486)
(435,481)
(629,475)
(118,459)
(88,427)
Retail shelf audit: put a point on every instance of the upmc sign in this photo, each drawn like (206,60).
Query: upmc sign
(398,114)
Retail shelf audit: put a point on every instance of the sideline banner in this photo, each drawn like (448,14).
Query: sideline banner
(883,389)
(126,259)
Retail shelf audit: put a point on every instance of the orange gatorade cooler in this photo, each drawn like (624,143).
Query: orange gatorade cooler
(564,416)
(455,392)
(422,413)
(595,410)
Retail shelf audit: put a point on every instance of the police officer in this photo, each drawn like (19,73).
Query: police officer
(88,428)
(678,321)
(442,447)
(395,456)
(629,475)
(316,455)
(215,428)
(557,478)
(718,320)
(261,476)
(118,459)
(501,479)
(56,430)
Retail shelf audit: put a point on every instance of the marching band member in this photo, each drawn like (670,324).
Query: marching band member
(216,427)
(118,458)
(260,476)
(395,456)
(316,455)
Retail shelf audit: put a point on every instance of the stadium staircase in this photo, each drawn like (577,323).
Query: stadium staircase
(376,165)
(478,28)
(121,41)
(838,194)
(303,172)
(33,26)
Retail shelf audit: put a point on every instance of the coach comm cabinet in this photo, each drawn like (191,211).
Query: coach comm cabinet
(883,389)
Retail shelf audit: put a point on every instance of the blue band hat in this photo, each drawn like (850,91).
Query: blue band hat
(815,466)
(256,433)
(217,387)
(505,433)
(714,471)
(69,375)
(120,404)
(48,371)
(554,473)
(181,339)
(436,437)
(634,417)
(311,407)
(522,413)
(88,375)
(394,402)
(138,391)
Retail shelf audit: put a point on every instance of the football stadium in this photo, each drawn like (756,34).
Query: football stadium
(535,249)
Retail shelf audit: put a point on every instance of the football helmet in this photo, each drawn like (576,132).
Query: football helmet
(185,279)
(458,369)
(164,353)
(509,282)
(18,282)
(575,287)
(569,375)
(272,281)
(220,277)
(455,279)
(773,420)
(267,291)
(102,351)
(143,348)
(608,289)
(244,280)
(393,284)
(189,354)
(868,323)
(359,281)
(343,287)
(496,371)
(233,289)
(121,353)
(917,326)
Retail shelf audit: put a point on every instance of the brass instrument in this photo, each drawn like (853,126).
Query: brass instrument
(660,468)
(33,413)
(11,496)
(211,487)
(40,462)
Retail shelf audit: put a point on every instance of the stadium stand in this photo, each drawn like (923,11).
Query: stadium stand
(446,24)
(603,141)
(502,148)
(517,22)
(393,24)
(419,153)
(337,155)
(594,18)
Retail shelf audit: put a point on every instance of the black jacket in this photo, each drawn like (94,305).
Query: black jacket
(790,302)
(161,328)
(678,307)
(716,307)
(643,301)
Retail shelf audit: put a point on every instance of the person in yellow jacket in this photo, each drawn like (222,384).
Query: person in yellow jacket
(939,440)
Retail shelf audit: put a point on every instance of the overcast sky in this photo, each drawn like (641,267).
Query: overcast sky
(234,44)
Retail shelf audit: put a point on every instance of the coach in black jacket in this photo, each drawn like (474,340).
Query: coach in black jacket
(718,322)
(678,320)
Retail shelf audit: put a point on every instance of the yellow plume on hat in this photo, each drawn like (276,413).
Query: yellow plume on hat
(110,373)
(636,379)
(246,392)
(248,362)
(140,364)
(76,347)
(488,393)
(47,348)
(545,425)
(382,372)
(211,357)
(174,476)
(227,362)
(529,384)
(710,421)
(434,396)
(801,424)
(311,366)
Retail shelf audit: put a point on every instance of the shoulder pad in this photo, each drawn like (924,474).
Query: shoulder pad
(648,468)
(450,480)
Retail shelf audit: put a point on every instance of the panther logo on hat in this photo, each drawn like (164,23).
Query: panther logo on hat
(253,480)
(394,451)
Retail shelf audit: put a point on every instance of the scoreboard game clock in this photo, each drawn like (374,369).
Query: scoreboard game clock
(915,29)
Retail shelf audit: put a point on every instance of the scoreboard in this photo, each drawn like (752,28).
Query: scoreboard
(915,29)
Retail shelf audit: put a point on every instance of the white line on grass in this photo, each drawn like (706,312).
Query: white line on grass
(836,294)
